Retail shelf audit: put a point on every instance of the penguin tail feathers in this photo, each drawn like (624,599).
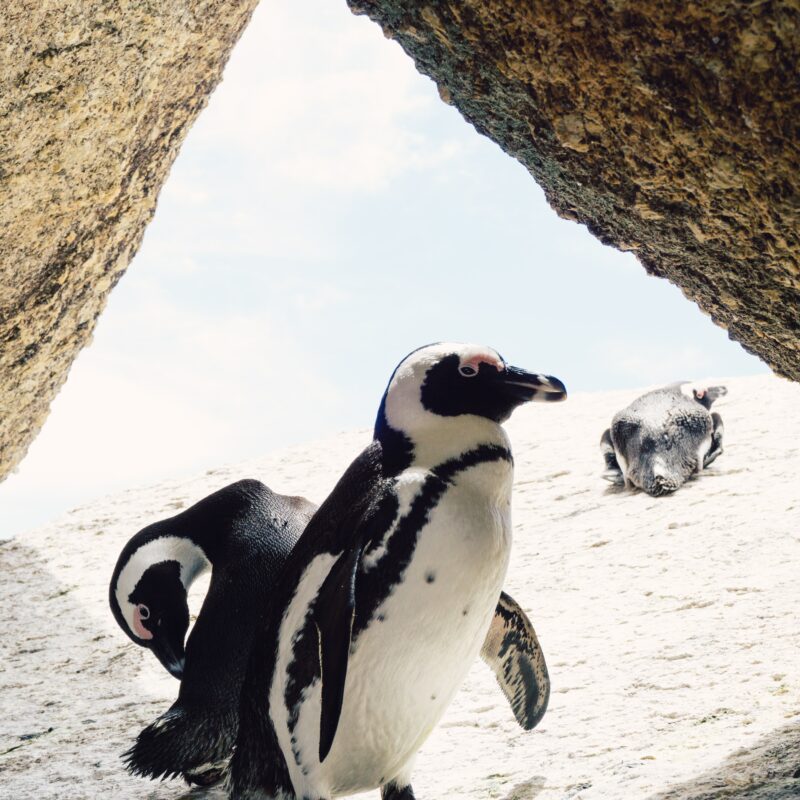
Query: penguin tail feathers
(184,742)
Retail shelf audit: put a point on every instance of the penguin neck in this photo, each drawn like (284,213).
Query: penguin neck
(397,449)
(192,558)
(209,543)
(443,439)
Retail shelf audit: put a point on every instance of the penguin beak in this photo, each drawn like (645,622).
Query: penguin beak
(171,658)
(526,386)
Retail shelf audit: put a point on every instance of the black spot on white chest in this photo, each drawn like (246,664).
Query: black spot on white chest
(463,532)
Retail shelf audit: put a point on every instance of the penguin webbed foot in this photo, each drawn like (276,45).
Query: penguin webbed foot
(204,778)
(614,477)
(392,791)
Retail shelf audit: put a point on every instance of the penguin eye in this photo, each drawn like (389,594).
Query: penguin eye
(144,611)
(468,371)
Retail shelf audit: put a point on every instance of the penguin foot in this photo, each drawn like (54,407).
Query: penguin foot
(192,743)
(207,775)
(391,791)
(614,477)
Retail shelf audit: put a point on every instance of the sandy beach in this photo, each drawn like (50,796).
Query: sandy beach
(670,625)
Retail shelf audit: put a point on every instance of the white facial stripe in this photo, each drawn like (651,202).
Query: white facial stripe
(488,357)
(420,361)
(191,558)
(437,438)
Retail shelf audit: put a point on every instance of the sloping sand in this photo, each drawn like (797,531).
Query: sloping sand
(670,625)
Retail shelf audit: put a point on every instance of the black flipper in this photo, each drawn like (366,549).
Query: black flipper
(613,472)
(716,440)
(334,611)
(512,650)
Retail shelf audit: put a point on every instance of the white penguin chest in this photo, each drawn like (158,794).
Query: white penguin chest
(407,664)
(461,553)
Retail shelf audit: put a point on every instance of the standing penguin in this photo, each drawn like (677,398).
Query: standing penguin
(391,590)
(663,438)
(245,533)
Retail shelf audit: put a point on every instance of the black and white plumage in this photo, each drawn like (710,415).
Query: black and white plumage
(244,532)
(244,523)
(663,438)
(389,594)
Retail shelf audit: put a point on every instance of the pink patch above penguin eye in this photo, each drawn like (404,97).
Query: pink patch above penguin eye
(141,612)
(700,393)
(476,361)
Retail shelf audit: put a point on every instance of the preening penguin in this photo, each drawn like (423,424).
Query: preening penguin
(244,532)
(663,438)
(392,589)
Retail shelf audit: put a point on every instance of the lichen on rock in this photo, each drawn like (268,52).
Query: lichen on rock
(95,100)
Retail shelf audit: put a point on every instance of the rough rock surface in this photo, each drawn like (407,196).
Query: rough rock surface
(95,99)
(669,625)
(668,129)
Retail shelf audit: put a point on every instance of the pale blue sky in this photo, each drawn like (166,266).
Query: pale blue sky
(327,214)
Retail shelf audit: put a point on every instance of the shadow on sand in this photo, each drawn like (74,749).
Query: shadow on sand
(70,694)
(770,770)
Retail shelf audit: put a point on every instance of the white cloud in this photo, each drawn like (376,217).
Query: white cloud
(185,192)
(315,297)
(323,101)
(186,390)
(315,106)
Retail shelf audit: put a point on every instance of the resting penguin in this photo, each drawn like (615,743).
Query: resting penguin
(663,438)
(245,533)
(389,594)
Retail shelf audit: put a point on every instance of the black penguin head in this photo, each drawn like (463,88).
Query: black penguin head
(161,614)
(662,436)
(148,594)
(447,381)
(660,460)
(706,395)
